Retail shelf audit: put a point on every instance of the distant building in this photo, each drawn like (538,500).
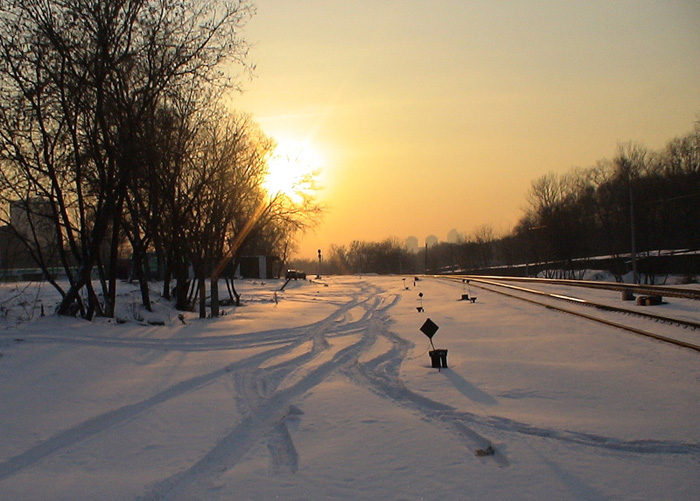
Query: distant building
(411,244)
(431,240)
(264,267)
(33,218)
(455,237)
(31,230)
(13,253)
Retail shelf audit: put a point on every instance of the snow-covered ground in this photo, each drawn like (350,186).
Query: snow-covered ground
(328,393)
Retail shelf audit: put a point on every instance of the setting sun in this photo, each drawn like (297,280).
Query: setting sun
(293,168)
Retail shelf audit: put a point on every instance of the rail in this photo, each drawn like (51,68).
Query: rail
(661,290)
(488,284)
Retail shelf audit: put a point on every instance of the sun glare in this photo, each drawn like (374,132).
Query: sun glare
(292,169)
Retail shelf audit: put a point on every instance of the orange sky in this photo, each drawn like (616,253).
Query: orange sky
(432,116)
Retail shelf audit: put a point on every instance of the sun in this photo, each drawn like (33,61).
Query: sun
(292,169)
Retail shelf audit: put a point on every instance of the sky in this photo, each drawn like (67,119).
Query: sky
(435,116)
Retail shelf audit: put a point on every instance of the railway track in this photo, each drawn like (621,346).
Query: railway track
(548,299)
(660,290)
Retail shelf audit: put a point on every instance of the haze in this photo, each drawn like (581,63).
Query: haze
(433,116)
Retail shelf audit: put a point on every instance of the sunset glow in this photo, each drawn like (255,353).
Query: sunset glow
(439,115)
(293,169)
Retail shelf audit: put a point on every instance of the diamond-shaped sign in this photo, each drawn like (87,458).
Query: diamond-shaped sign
(429,328)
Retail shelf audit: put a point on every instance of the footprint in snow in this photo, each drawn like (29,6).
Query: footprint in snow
(283,455)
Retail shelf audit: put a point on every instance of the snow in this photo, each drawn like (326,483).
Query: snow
(329,393)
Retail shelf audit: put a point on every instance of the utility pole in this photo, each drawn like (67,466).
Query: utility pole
(426,258)
(633,246)
(318,274)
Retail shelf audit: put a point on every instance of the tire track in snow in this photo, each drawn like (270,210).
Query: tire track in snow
(113,418)
(209,343)
(283,455)
(268,408)
(231,449)
(381,375)
(641,446)
(104,422)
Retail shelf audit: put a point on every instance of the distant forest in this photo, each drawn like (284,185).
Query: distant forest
(639,200)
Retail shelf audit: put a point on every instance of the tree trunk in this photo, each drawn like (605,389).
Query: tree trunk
(111,296)
(141,275)
(214,286)
(145,293)
(73,295)
(202,295)
(235,292)
(88,258)
(166,282)
(94,307)
(182,285)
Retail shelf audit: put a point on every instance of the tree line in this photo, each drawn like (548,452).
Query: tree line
(638,201)
(112,134)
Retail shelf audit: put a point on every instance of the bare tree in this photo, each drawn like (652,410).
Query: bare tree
(77,81)
(232,159)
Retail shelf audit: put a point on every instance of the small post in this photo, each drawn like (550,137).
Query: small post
(318,274)
(438,358)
